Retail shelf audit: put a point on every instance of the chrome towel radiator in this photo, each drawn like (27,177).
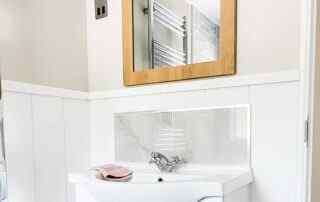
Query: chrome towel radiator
(161,54)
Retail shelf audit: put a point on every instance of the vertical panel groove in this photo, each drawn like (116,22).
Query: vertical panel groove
(33,148)
(65,150)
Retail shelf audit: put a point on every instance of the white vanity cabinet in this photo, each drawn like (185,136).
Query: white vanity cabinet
(242,195)
(215,199)
(224,187)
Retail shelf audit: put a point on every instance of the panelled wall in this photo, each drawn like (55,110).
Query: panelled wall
(46,138)
(58,132)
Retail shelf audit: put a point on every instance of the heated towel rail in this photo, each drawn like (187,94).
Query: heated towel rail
(161,54)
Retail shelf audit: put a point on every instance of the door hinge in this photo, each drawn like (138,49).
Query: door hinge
(307,132)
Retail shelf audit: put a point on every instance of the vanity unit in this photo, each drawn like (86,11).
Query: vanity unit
(145,187)
(181,168)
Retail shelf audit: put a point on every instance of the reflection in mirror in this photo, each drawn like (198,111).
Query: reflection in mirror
(173,33)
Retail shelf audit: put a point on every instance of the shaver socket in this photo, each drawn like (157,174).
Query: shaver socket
(101,9)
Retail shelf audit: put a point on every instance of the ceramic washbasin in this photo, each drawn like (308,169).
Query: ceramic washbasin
(154,178)
(147,186)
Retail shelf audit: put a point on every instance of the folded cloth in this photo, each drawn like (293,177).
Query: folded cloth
(113,173)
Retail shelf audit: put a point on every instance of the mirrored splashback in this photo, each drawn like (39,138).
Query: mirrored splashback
(217,137)
(173,33)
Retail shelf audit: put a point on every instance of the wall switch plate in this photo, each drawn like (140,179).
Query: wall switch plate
(101,8)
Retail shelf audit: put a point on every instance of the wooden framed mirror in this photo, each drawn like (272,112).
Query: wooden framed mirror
(171,40)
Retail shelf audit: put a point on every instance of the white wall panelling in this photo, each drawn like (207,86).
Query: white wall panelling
(201,84)
(276,142)
(47,137)
(56,128)
(49,147)
(27,88)
(77,136)
(19,147)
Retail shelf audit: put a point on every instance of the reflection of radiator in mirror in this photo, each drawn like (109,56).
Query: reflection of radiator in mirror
(163,55)
(160,53)
(179,40)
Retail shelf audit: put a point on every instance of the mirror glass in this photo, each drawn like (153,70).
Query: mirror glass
(171,33)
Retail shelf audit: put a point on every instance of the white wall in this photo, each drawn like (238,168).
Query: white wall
(44,42)
(47,137)
(268,40)
(15,48)
(104,47)
(59,43)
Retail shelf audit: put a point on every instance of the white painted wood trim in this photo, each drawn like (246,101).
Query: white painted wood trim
(305,51)
(204,84)
(222,187)
(311,103)
(309,21)
(183,86)
(26,88)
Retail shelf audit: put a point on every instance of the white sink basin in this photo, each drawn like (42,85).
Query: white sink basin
(153,178)
(146,186)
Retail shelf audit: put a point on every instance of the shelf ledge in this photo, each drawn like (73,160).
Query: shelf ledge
(201,84)
(164,88)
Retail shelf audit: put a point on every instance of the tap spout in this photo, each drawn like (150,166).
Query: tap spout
(164,164)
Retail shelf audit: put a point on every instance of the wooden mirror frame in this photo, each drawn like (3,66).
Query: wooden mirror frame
(225,65)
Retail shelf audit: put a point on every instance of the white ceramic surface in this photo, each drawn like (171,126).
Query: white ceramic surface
(174,187)
(205,136)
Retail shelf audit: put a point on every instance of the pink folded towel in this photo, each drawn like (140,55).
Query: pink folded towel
(113,173)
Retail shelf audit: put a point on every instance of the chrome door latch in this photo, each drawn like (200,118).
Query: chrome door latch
(307,132)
